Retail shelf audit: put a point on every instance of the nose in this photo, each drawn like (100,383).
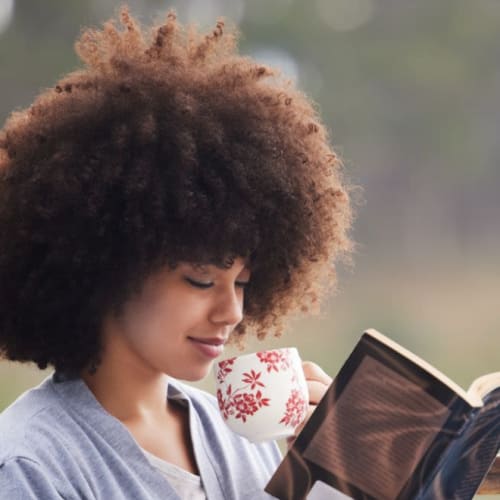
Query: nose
(228,309)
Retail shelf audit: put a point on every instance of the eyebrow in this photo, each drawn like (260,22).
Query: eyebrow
(203,268)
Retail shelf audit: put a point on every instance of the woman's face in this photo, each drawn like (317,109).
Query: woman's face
(181,320)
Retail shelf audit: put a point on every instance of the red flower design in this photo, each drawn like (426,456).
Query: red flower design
(275,360)
(225,367)
(222,405)
(245,405)
(260,400)
(252,378)
(242,404)
(296,407)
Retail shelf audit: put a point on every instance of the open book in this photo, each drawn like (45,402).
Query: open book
(393,427)
(491,484)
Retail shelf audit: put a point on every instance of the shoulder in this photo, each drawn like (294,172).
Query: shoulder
(19,421)
(22,478)
(33,426)
(26,438)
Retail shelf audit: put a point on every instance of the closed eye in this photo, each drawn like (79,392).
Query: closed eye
(198,284)
(204,286)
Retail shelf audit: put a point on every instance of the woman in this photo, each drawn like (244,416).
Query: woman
(168,198)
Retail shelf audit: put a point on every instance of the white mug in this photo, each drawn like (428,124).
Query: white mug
(263,395)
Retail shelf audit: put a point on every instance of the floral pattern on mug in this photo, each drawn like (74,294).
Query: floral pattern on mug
(296,407)
(252,378)
(275,360)
(243,404)
(262,395)
(224,368)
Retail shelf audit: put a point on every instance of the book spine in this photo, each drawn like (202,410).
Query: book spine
(469,457)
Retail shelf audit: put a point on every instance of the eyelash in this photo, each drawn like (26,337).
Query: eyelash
(204,286)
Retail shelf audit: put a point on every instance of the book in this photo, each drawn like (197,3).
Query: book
(391,426)
(491,483)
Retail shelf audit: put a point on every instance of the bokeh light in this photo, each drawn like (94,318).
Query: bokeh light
(6,14)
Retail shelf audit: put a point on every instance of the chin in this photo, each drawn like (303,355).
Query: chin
(195,375)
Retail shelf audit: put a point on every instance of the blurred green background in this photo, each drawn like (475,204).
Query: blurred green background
(411,94)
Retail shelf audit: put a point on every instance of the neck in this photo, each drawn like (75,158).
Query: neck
(126,399)
(126,388)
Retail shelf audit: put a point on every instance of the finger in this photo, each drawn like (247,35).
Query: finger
(312,371)
(316,391)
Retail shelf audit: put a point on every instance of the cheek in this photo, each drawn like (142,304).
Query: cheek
(142,324)
(162,322)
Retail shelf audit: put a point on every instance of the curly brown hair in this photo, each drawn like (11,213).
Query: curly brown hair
(168,146)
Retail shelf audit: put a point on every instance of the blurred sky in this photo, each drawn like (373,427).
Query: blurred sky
(411,94)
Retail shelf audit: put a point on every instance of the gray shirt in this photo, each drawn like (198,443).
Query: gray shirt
(187,485)
(58,442)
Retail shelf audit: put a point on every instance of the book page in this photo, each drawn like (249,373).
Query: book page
(484,385)
(466,396)
(322,491)
(376,433)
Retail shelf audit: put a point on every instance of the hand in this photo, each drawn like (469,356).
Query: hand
(317,382)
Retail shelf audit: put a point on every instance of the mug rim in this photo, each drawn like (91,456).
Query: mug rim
(248,354)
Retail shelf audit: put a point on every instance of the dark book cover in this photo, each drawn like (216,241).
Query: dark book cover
(380,432)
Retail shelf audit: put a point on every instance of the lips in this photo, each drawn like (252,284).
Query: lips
(211,347)
(210,341)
